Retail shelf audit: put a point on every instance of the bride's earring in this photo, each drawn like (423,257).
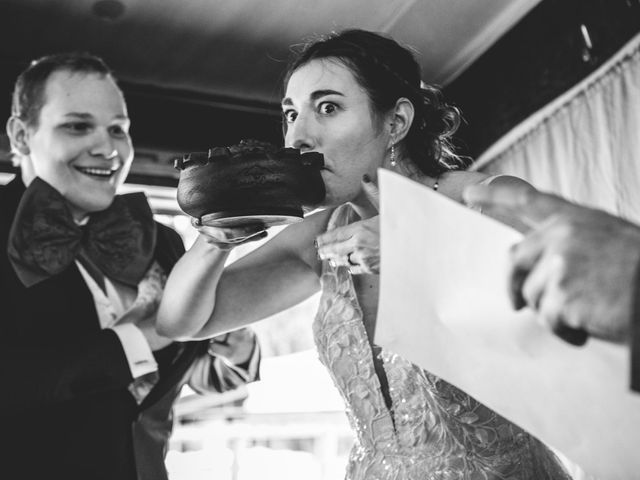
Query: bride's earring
(393,155)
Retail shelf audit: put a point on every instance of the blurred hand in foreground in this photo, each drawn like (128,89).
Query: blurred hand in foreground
(576,266)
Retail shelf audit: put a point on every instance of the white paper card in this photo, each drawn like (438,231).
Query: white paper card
(444,306)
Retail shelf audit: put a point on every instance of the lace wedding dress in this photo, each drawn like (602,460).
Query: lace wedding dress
(432,430)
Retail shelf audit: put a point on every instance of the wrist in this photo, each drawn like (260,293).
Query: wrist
(210,245)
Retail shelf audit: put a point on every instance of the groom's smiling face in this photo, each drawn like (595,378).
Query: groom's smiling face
(81,143)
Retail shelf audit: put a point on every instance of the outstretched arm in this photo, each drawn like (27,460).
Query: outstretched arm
(203,299)
(190,291)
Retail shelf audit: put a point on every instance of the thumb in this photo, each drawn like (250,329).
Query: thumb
(371,191)
(522,202)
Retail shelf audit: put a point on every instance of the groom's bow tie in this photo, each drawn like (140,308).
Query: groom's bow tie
(44,239)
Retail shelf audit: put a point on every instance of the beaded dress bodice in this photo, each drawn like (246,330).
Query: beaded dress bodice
(433,430)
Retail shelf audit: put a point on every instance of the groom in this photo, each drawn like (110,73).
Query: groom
(82,272)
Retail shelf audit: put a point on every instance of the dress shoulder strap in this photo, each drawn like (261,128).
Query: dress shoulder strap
(341,216)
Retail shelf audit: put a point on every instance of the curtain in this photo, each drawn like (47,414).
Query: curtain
(585,145)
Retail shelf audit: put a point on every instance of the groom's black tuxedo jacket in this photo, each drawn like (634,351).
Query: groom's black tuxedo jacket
(66,411)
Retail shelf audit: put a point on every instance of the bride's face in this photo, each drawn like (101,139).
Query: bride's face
(327,111)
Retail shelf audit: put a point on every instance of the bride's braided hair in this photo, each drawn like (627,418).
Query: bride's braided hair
(389,71)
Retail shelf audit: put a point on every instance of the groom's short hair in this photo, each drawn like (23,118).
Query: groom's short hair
(29,91)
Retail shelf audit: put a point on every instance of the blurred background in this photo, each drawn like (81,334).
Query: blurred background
(203,73)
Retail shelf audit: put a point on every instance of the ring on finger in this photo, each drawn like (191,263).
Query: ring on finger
(351,262)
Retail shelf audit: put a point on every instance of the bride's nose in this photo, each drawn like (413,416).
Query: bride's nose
(300,135)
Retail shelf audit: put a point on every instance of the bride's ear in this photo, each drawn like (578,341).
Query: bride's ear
(401,119)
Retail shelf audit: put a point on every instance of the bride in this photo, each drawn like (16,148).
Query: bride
(356,97)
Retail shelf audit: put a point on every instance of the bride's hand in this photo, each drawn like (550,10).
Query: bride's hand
(225,238)
(357,245)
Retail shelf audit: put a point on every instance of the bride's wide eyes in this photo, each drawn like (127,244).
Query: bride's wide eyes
(327,108)
(289,115)
(323,108)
